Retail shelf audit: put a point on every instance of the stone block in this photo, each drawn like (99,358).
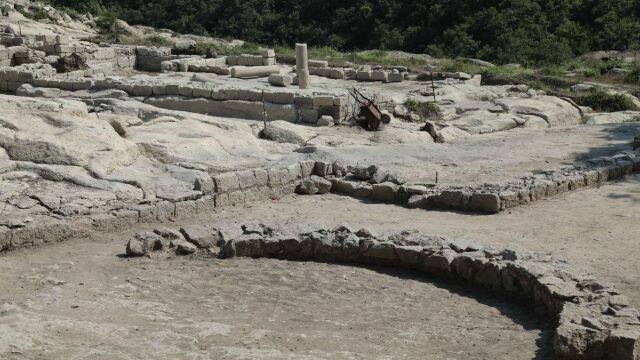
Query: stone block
(295,172)
(278,177)
(303,102)
(322,168)
(5,238)
(246,179)
(82,85)
(395,77)
(363,76)
(12,86)
(622,344)
(268,61)
(165,210)
(186,208)
(142,90)
(147,213)
(11,74)
(61,49)
(184,90)
(626,166)
(322,101)
(342,186)
(379,75)
(159,90)
(250,95)
(309,116)
(385,192)
(590,177)
(336,74)
(318,64)
(199,92)
(66,85)
(487,203)
(229,94)
(268,53)
(261,177)
(226,182)
(279,97)
(205,204)
(363,191)
(307,167)
(172,89)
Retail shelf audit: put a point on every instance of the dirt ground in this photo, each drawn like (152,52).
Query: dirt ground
(81,300)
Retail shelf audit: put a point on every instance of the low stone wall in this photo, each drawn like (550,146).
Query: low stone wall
(12,77)
(6,56)
(378,75)
(278,106)
(287,104)
(210,193)
(193,64)
(151,59)
(594,322)
(487,198)
(267,58)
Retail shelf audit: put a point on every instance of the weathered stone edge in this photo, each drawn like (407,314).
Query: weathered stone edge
(212,193)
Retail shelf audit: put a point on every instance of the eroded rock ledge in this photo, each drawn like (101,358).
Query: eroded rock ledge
(594,321)
(309,176)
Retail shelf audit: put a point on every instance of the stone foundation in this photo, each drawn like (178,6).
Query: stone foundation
(593,320)
(487,198)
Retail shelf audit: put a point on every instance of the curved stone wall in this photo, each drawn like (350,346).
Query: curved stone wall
(594,321)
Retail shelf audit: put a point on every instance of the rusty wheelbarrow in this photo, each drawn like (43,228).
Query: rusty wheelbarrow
(370,111)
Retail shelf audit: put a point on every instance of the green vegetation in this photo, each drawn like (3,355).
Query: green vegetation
(35,14)
(426,110)
(634,76)
(335,57)
(109,25)
(602,101)
(530,32)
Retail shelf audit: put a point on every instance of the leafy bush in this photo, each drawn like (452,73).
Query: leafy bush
(35,14)
(610,64)
(108,23)
(602,101)
(634,76)
(426,110)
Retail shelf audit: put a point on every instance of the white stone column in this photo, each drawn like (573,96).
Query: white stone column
(302,66)
(253,71)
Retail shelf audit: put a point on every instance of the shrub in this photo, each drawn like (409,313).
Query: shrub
(426,110)
(108,24)
(602,101)
(607,66)
(35,14)
(634,76)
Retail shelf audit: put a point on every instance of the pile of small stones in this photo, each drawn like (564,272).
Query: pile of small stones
(594,321)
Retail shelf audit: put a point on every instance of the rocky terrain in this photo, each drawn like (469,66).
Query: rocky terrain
(102,143)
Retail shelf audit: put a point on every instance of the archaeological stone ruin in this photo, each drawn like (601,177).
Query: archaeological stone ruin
(146,148)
